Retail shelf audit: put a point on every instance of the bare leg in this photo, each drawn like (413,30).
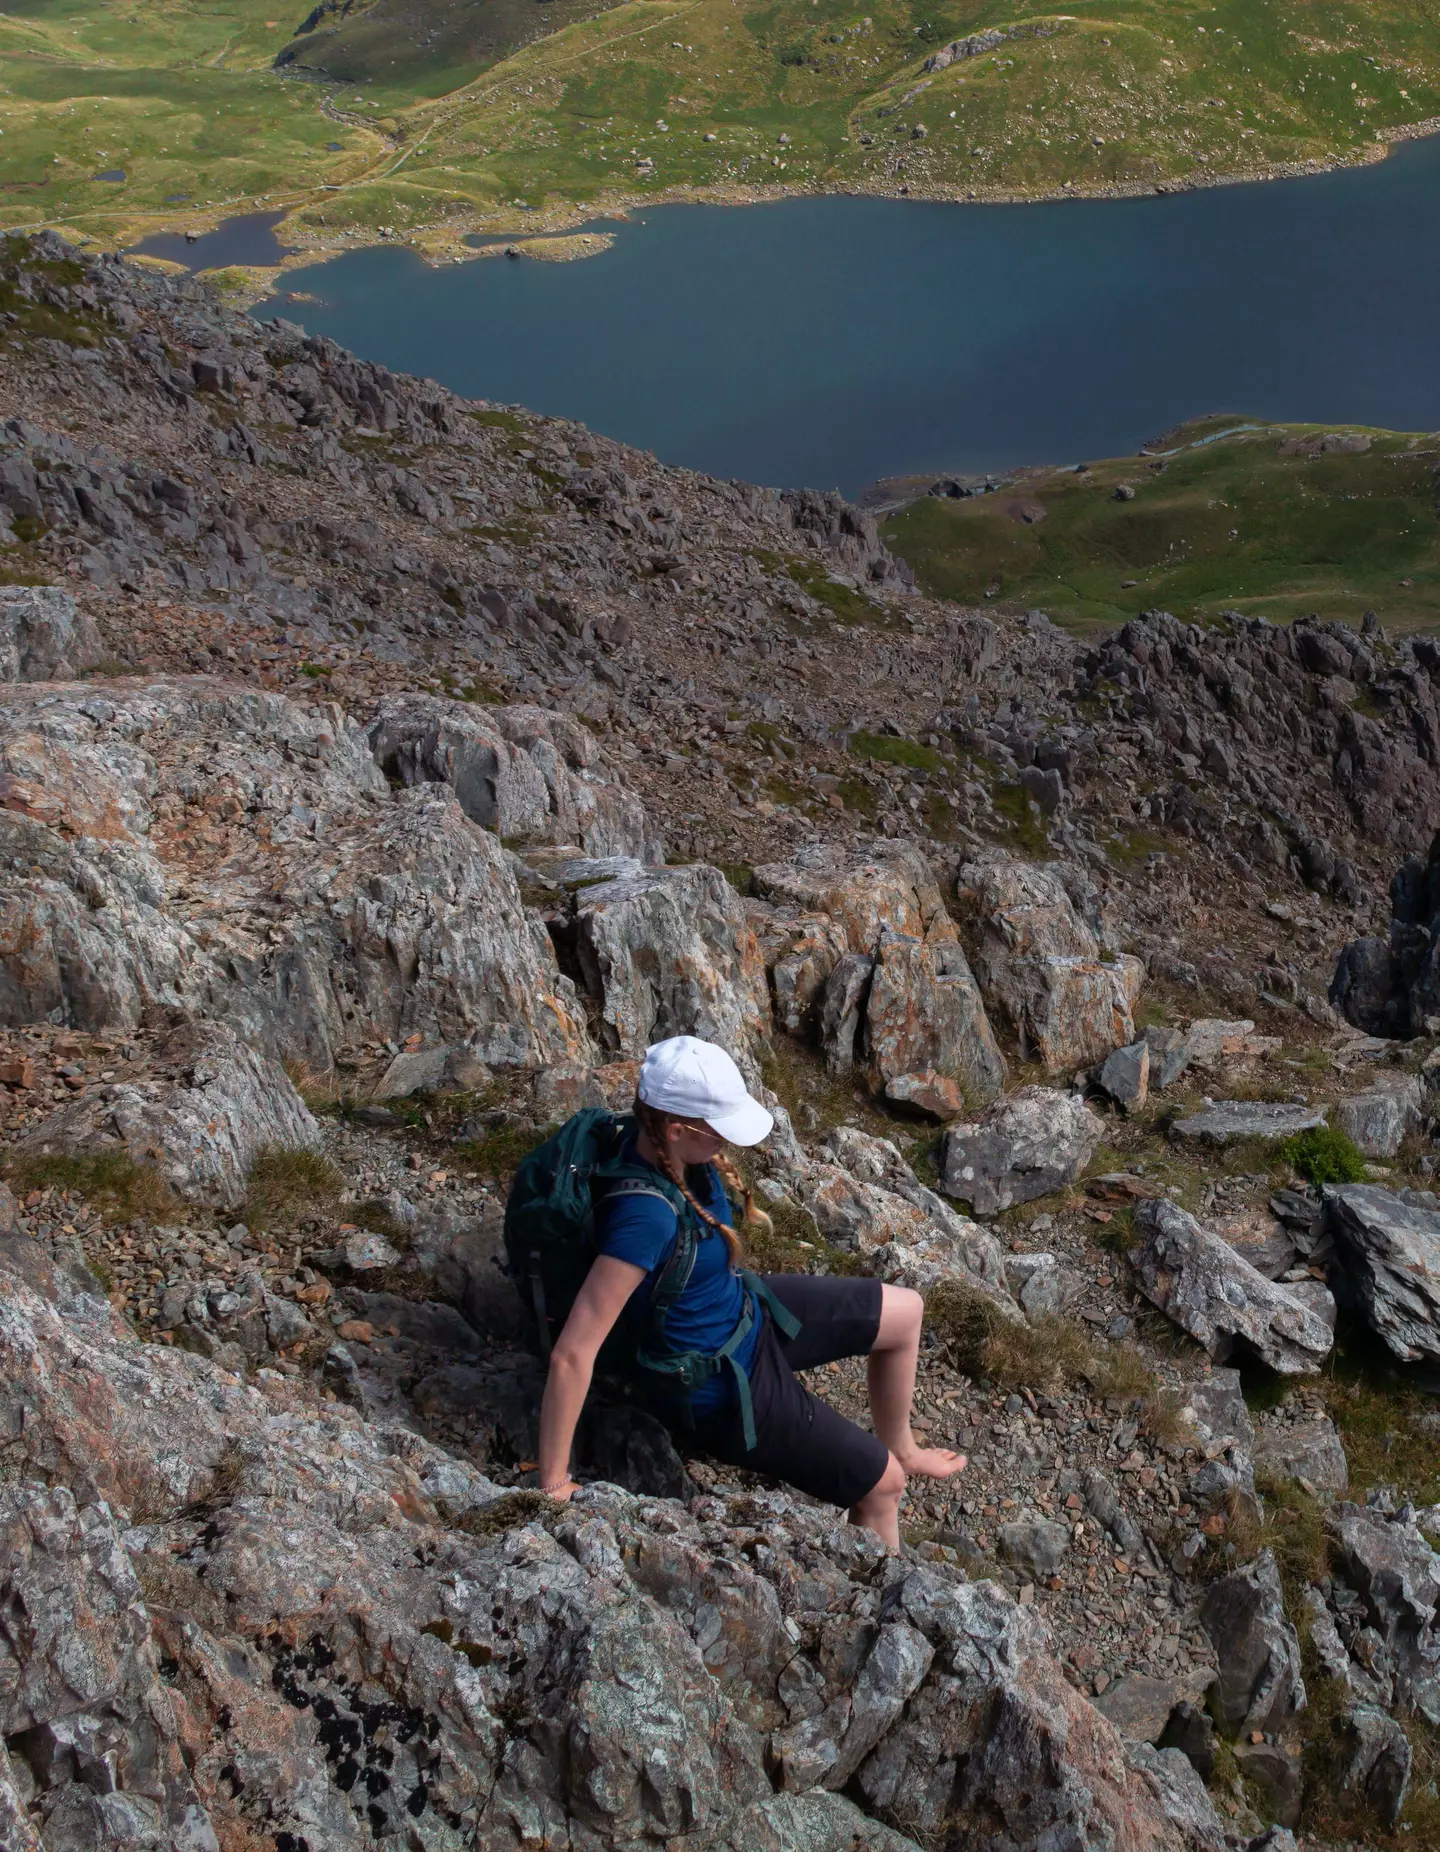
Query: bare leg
(879,1510)
(891,1372)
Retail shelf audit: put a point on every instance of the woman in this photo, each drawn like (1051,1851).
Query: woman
(690,1103)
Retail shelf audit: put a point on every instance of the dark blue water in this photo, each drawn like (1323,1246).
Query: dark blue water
(831,341)
(248,240)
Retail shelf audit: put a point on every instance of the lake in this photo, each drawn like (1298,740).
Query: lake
(832,341)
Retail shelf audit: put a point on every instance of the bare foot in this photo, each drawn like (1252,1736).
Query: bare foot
(932,1463)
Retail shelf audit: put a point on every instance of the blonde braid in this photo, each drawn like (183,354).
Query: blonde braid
(653,1122)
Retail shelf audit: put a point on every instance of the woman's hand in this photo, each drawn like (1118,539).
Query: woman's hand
(598,1304)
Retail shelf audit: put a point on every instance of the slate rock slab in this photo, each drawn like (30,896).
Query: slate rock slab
(1389,1245)
(1229,1120)
(1258,1652)
(1218,1297)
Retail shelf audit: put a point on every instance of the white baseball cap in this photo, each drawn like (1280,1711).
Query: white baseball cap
(697,1080)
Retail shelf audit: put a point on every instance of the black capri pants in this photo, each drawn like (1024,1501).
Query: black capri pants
(798,1437)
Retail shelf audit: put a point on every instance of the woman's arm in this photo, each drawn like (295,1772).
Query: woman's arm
(600,1301)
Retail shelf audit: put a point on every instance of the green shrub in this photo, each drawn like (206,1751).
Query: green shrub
(1324,1155)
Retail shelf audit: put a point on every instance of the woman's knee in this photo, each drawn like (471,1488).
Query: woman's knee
(902,1312)
(890,1485)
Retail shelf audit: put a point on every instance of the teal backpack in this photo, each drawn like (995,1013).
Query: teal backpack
(550,1244)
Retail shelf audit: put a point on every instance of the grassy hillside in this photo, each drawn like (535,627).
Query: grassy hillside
(447,115)
(425,48)
(1273,520)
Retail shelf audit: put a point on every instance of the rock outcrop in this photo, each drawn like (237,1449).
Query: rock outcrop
(529,776)
(1067,999)
(206,849)
(412,1669)
(865,952)
(1391,986)
(213,1107)
(926,1031)
(666,951)
(44,635)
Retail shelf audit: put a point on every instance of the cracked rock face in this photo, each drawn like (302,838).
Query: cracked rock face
(232,1614)
(1041,967)
(525,774)
(201,1127)
(1214,1293)
(206,849)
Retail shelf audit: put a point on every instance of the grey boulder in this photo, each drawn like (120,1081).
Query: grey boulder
(1038,1547)
(1389,1246)
(1259,1686)
(44,635)
(1379,1120)
(1378,1760)
(1125,1076)
(1033,1141)
(1397,1574)
(1210,1291)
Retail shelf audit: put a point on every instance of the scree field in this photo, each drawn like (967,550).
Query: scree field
(425,120)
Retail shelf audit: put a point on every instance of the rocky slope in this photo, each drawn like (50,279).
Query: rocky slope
(379,774)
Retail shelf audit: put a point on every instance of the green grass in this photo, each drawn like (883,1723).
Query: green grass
(453,113)
(896,751)
(113,1181)
(1265,521)
(288,1187)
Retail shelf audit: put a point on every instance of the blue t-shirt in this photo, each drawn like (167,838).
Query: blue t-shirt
(642,1231)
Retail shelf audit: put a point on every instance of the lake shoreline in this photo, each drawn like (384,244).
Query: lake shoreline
(840,338)
(443,244)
